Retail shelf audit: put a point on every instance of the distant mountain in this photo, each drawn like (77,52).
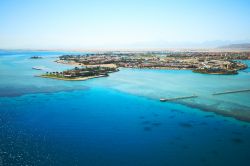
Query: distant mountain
(221,44)
(237,46)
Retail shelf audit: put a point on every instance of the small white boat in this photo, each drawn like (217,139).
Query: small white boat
(38,68)
(163,100)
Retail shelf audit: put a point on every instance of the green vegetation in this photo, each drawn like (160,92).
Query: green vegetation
(215,71)
(36,57)
(81,73)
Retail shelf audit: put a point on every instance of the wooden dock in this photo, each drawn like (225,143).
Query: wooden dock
(233,91)
(178,98)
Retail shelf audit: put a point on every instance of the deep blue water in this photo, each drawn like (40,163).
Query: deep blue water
(94,125)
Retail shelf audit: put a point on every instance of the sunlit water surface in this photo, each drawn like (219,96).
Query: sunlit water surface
(118,120)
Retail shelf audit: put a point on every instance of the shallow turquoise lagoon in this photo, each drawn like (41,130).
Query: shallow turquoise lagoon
(118,120)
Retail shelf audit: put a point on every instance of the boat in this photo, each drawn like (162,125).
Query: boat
(37,68)
(163,100)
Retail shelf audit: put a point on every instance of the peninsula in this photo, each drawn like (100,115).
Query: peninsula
(96,65)
(199,62)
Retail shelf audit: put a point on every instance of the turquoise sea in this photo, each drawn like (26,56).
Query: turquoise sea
(119,120)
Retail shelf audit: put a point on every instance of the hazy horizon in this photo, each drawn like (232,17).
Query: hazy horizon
(122,25)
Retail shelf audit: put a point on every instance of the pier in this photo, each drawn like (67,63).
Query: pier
(233,91)
(178,98)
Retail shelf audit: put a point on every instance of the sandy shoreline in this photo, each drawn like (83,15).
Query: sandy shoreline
(72,63)
(72,79)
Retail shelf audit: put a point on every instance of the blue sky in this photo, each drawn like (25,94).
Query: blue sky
(76,24)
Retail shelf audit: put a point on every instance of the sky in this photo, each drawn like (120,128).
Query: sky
(81,24)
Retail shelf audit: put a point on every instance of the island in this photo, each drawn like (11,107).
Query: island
(80,74)
(197,61)
(36,57)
